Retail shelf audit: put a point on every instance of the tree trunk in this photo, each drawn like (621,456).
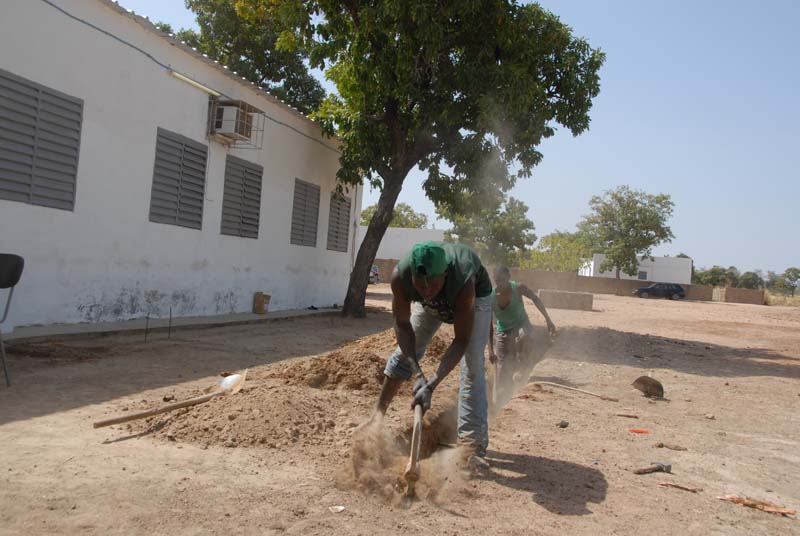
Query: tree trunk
(359,277)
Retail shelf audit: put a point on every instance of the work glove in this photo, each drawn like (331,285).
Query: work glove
(423,393)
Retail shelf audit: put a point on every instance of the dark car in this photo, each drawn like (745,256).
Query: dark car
(661,290)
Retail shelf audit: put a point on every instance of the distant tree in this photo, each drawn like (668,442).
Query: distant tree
(559,251)
(792,278)
(732,277)
(248,47)
(404,216)
(750,280)
(626,225)
(498,232)
(714,276)
(164,27)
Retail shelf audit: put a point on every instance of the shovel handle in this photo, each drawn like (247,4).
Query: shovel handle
(156,411)
(416,442)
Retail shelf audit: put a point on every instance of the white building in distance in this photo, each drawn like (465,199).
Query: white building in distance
(399,240)
(138,176)
(657,269)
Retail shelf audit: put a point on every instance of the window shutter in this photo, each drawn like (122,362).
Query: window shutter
(179,178)
(40,134)
(339,223)
(305,214)
(241,200)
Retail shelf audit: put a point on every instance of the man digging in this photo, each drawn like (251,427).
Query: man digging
(514,329)
(446,283)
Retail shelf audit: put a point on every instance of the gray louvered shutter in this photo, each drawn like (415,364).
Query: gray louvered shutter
(179,179)
(40,134)
(241,200)
(339,223)
(305,214)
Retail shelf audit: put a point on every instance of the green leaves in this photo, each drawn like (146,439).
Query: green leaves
(463,90)
(560,251)
(240,36)
(627,224)
(497,232)
(403,216)
(463,85)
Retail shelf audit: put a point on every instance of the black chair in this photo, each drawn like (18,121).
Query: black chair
(10,271)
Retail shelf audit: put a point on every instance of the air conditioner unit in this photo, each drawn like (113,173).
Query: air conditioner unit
(233,122)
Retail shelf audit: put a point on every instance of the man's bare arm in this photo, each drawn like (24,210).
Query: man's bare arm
(464,316)
(401,310)
(528,293)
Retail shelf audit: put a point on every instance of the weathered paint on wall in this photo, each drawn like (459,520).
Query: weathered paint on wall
(106,260)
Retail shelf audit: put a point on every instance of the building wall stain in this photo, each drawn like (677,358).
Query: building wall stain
(133,302)
(225,302)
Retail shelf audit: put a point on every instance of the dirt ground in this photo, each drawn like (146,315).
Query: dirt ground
(274,458)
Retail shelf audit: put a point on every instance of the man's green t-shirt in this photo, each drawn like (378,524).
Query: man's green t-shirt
(514,315)
(462,264)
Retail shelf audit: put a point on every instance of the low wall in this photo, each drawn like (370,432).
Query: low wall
(386,267)
(739,295)
(539,279)
(571,282)
(699,292)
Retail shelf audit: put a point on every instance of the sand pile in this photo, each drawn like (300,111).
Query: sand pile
(269,416)
(357,366)
(311,402)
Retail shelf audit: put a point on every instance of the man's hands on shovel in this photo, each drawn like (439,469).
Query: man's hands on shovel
(423,393)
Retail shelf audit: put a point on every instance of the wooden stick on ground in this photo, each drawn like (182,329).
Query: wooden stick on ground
(231,384)
(601,397)
(678,486)
(163,409)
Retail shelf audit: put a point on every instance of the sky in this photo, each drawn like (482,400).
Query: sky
(698,99)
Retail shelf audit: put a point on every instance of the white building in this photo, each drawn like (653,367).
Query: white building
(125,201)
(657,269)
(398,240)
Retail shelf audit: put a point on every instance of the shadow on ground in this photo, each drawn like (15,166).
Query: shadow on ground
(61,375)
(561,487)
(613,347)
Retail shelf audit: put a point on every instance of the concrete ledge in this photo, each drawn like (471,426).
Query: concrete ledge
(157,325)
(560,299)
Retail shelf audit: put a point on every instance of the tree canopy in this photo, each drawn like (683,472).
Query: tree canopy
(247,46)
(559,251)
(750,280)
(497,233)
(462,90)
(626,224)
(404,216)
(792,278)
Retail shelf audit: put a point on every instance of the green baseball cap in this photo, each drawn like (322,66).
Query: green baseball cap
(428,259)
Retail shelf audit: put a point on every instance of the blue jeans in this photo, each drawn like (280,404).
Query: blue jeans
(473,427)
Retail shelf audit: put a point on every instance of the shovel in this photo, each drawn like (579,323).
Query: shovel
(411,474)
(228,385)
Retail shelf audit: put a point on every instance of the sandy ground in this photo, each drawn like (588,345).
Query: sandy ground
(271,461)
